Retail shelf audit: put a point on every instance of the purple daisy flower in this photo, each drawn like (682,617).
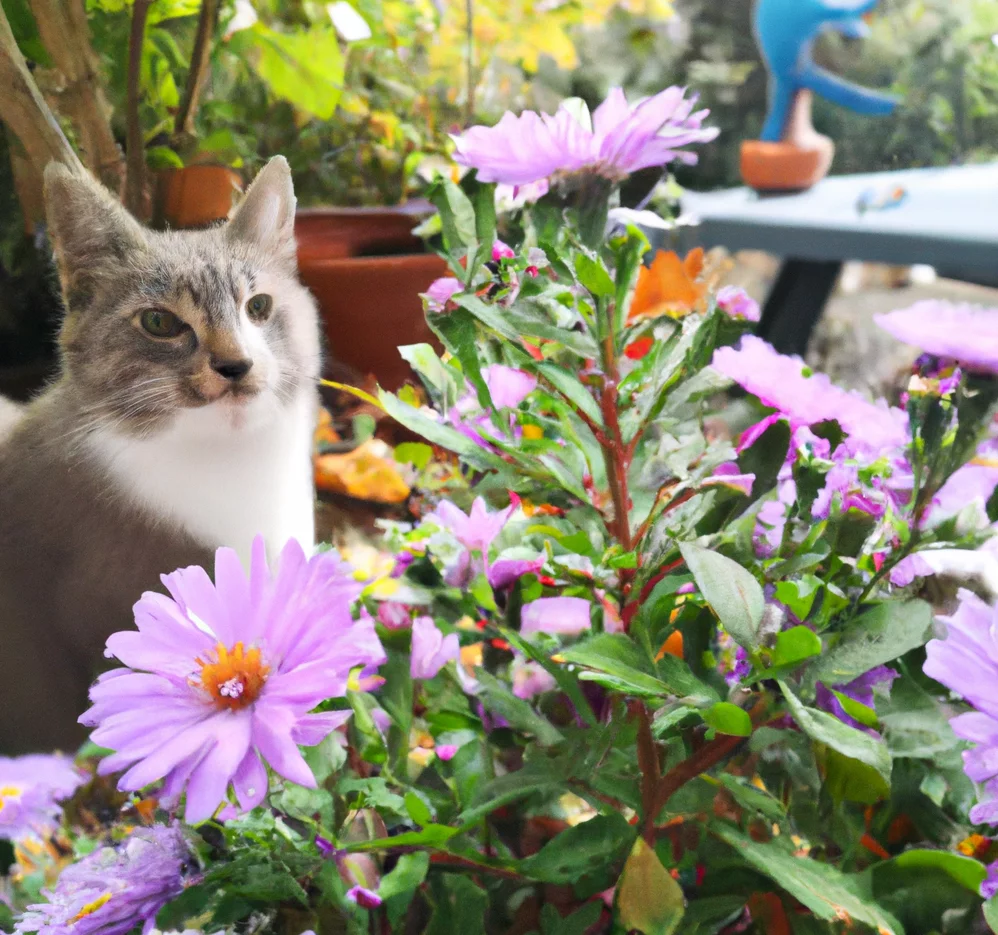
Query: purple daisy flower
(563,615)
(508,387)
(966,662)
(440,292)
(221,677)
(729,475)
(804,398)
(431,650)
(958,331)
(615,140)
(114,889)
(989,887)
(30,789)
(737,303)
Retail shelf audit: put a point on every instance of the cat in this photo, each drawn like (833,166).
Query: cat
(181,420)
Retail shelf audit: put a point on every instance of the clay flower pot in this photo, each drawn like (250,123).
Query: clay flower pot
(330,233)
(366,268)
(199,195)
(801,159)
(370,306)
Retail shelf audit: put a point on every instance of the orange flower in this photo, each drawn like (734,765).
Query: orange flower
(670,286)
(673,646)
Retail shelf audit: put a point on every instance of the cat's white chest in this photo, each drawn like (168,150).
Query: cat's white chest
(223,480)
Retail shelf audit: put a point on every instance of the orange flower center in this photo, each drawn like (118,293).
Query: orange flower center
(233,677)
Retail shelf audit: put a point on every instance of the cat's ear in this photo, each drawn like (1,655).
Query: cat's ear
(87,224)
(266,216)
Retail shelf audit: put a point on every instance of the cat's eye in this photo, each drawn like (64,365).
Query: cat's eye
(258,308)
(160,323)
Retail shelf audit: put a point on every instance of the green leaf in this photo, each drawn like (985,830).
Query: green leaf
(578,923)
(731,591)
(457,215)
(711,914)
(481,591)
(875,638)
(564,382)
(485,215)
(567,681)
(793,646)
(398,887)
(498,699)
(727,718)
(991,913)
(459,335)
(593,847)
(159,158)
(593,275)
(649,900)
(438,433)
(856,709)
(458,906)
(848,741)
(304,68)
(828,893)
(798,595)
(966,871)
(748,796)
(434,372)
(260,877)
(414,453)
(490,317)
(621,665)
(418,810)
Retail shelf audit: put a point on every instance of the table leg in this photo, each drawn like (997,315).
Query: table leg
(796,301)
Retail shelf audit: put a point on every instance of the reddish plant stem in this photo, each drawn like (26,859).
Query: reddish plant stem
(651,776)
(708,755)
(615,453)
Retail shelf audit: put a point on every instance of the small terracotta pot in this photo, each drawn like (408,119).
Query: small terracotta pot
(801,159)
(336,233)
(370,306)
(197,196)
(782,167)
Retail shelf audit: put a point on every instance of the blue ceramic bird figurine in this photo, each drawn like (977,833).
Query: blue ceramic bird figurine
(786,30)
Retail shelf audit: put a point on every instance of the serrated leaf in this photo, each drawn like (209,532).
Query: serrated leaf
(848,741)
(457,215)
(828,893)
(649,900)
(589,848)
(732,592)
(875,638)
(619,663)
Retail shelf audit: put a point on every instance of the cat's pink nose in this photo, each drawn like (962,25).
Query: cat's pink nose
(232,369)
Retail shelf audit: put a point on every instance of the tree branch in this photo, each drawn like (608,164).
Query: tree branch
(198,72)
(24,110)
(135,151)
(62,25)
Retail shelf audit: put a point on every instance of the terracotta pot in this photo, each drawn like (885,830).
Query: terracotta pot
(336,233)
(801,159)
(370,306)
(782,167)
(197,196)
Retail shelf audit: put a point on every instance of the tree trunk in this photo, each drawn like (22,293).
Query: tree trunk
(62,25)
(135,151)
(198,73)
(24,110)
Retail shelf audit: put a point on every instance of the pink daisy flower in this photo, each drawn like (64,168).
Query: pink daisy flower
(220,678)
(617,139)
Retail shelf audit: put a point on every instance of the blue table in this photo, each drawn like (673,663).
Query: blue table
(948,220)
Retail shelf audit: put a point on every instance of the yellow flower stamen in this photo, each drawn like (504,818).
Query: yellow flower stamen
(233,678)
(90,908)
